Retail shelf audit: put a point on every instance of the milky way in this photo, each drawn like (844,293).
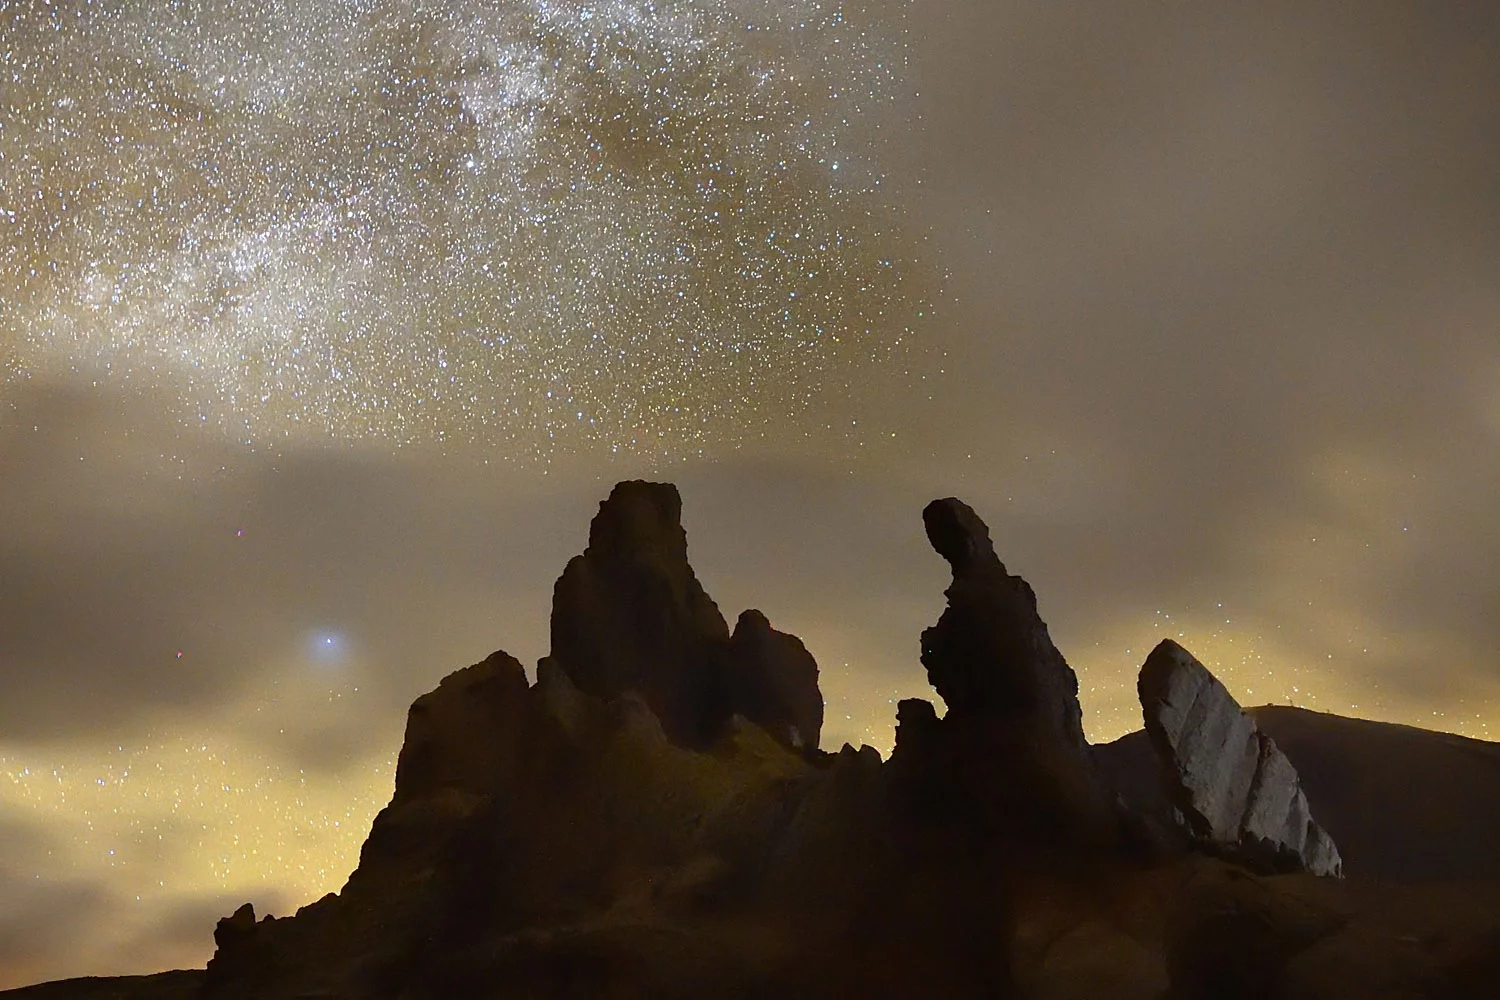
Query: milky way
(615,226)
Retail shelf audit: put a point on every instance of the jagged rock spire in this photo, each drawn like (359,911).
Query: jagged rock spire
(1011,746)
(961,537)
(990,655)
(629,615)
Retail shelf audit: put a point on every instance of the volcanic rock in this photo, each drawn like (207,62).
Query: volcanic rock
(640,823)
(521,814)
(1354,770)
(989,655)
(1235,790)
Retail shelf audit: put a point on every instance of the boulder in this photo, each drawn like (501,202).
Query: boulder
(1236,792)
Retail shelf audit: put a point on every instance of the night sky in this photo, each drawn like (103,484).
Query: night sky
(325,325)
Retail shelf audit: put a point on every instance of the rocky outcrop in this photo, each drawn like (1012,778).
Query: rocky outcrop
(1235,790)
(522,816)
(603,833)
(1011,745)
(1353,770)
(771,679)
(990,656)
(630,615)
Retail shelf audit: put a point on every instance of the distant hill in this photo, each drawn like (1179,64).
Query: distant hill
(180,985)
(1403,804)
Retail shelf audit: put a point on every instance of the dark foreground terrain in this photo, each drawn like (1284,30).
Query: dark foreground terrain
(653,818)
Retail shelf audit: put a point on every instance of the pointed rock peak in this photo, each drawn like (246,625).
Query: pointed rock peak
(233,929)
(990,655)
(960,536)
(629,616)
(751,623)
(1010,694)
(1167,665)
(1237,792)
(640,519)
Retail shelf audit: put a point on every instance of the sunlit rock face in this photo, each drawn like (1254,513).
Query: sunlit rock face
(1234,788)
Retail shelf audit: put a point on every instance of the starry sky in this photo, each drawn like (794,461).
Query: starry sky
(325,325)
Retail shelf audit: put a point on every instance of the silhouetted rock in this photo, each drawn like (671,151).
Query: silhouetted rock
(182,984)
(464,735)
(990,656)
(483,867)
(565,839)
(236,927)
(1012,740)
(1235,790)
(772,680)
(630,615)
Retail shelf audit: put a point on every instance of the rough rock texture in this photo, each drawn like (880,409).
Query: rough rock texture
(1235,790)
(486,871)
(989,655)
(1352,770)
(630,615)
(1011,744)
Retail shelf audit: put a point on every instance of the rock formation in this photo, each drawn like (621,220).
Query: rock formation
(771,679)
(651,818)
(630,615)
(1011,745)
(1353,770)
(1235,790)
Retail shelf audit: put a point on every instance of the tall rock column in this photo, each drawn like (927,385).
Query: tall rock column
(1012,741)
(629,615)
